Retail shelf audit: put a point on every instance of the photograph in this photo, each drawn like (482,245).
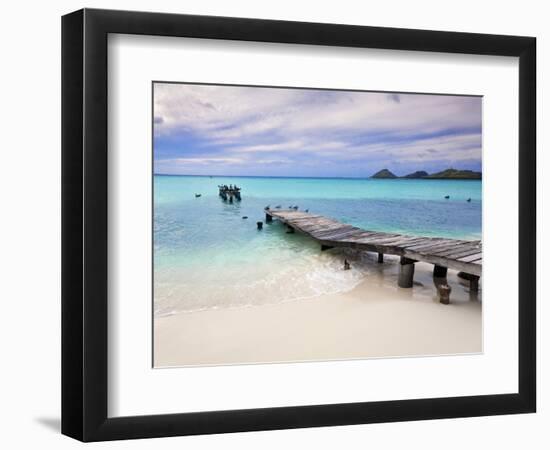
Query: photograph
(302,224)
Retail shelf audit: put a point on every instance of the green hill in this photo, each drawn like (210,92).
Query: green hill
(417,174)
(456,174)
(384,173)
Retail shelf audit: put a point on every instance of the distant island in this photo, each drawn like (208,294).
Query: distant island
(384,173)
(417,174)
(448,174)
(456,174)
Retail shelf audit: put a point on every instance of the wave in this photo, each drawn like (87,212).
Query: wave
(299,278)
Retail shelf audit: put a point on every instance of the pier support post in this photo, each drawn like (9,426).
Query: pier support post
(260,225)
(440,272)
(406,272)
(380,258)
(474,283)
(268,218)
(473,279)
(289,230)
(444,291)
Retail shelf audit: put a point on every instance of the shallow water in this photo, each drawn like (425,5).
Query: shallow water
(207,256)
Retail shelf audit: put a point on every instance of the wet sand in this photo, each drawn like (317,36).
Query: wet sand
(375,319)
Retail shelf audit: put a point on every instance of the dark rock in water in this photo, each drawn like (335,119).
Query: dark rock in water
(259,225)
(447,197)
(266,208)
(245,217)
(469,200)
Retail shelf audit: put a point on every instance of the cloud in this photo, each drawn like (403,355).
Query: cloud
(394,98)
(247,126)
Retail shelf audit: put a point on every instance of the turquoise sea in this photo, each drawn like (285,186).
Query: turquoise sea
(207,256)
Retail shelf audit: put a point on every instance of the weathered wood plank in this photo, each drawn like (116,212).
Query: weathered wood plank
(441,247)
(430,242)
(332,230)
(465,251)
(339,235)
(378,237)
(396,240)
(365,235)
(471,258)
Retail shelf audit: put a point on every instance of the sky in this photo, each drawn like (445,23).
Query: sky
(257,131)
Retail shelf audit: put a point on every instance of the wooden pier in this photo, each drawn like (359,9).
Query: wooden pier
(228,192)
(464,256)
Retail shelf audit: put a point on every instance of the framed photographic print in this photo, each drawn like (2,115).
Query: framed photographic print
(273,224)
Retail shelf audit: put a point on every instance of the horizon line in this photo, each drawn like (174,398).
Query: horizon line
(309,177)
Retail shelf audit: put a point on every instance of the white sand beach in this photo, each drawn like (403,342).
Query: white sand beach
(374,319)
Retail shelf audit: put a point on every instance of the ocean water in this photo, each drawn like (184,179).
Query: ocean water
(207,256)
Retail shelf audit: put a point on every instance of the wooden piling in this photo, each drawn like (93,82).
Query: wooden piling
(380,258)
(473,279)
(474,283)
(406,272)
(440,271)
(444,291)
(268,218)
(260,225)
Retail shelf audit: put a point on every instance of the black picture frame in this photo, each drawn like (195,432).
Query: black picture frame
(84,224)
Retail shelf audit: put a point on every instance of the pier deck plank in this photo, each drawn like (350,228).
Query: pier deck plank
(458,254)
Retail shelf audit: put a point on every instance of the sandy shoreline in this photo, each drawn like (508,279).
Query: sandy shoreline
(375,319)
